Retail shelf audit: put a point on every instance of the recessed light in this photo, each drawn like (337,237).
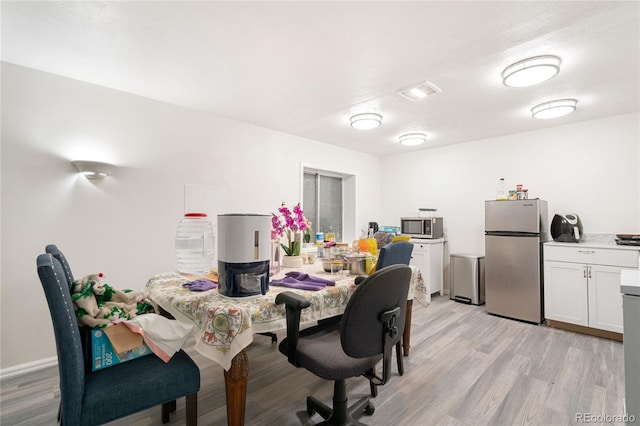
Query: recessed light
(530,71)
(554,109)
(366,121)
(413,139)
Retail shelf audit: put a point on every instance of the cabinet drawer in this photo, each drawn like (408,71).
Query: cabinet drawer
(590,255)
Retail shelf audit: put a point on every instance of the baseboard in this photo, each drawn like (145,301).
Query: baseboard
(29,367)
(586,330)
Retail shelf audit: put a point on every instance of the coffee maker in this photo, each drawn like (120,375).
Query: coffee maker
(244,252)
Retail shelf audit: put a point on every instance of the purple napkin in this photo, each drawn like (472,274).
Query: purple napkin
(302,281)
(301,276)
(200,285)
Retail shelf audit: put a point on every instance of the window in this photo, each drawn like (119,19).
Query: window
(322,200)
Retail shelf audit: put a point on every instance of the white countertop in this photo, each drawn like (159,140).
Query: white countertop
(426,240)
(630,282)
(607,241)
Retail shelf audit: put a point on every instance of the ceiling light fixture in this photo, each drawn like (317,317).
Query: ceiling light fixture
(365,121)
(554,109)
(413,139)
(528,72)
(93,169)
(420,91)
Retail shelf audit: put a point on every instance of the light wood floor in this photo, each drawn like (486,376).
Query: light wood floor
(465,368)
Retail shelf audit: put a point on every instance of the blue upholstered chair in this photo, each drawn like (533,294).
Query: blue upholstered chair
(92,398)
(371,326)
(398,253)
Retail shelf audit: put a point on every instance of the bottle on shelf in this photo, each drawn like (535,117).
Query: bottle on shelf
(363,244)
(330,235)
(502,190)
(372,243)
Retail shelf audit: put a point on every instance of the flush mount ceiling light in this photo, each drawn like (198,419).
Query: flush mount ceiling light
(365,121)
(413,139)
(93,169)
(420,91)
(528,72)
(554,109)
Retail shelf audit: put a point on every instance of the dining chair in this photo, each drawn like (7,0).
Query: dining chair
(371,325)
(97,397)
(394,253)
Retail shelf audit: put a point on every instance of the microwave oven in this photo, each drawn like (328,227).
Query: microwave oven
(421,227)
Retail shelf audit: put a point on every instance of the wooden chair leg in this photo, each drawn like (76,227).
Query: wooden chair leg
(166,409)
(192,409)
(399,358)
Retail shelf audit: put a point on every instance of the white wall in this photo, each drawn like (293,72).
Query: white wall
(589,168)
(124,226)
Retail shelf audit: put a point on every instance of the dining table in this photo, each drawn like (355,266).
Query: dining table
(224,326)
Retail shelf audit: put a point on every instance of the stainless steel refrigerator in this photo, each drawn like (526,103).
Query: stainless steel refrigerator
(514,233)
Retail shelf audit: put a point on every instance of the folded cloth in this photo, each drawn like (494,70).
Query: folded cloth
(163,336)
(300,285)
(200,285)
(302,281)
(301,276)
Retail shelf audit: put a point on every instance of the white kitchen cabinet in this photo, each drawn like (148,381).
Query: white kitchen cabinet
(427,257)
(582,284)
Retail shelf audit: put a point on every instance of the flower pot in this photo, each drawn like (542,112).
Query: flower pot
(292,262)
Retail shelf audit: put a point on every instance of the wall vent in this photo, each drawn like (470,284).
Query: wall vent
(420,91)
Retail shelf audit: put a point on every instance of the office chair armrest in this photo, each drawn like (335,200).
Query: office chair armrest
(294,304)
(359,279)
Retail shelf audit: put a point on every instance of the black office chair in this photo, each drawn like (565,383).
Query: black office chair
(371,325)
(92,398)
(396,253)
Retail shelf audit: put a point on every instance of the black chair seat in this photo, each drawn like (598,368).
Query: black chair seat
(318,355)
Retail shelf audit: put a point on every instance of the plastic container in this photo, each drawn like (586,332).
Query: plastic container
(363,243)
(195,244)
(502,190)
(372,243)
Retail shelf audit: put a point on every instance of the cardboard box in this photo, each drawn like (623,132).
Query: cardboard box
(115,344)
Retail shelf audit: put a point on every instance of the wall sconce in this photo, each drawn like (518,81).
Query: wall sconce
(413,139)
(531,71)
(366,121)
(554,109)
(93,169)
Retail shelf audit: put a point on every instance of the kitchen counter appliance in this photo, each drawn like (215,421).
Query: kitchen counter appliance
(244,254)
(566,228)
(514,233)
(422,227)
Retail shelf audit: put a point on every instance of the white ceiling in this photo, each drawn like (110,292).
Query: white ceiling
(304,67)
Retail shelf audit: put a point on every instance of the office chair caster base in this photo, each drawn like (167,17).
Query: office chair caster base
(341,417)
(369,409)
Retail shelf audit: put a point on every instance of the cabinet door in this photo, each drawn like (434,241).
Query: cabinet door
(605,300)
(565,292)
(420,259)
